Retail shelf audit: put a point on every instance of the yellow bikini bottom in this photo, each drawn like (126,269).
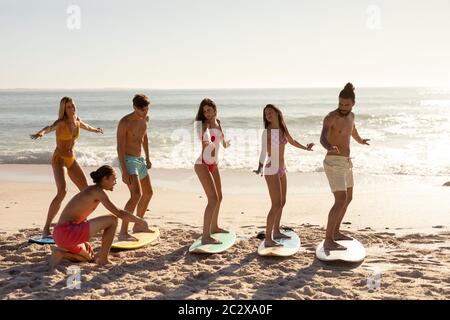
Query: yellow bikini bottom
(67,161)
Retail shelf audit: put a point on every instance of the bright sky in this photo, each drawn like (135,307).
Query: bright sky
(224,43)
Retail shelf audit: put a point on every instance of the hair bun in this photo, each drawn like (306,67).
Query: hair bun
(94,175)
(349,87)
(100,173)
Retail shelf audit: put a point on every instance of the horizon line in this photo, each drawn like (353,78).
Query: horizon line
(210,88)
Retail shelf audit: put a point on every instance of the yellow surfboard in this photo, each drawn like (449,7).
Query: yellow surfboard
(144,238)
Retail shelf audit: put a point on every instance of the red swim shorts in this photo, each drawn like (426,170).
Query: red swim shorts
(72,236)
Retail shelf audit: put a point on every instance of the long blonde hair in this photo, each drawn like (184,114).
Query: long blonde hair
(62,107)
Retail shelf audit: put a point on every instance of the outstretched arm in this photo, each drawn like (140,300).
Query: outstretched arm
(297,144)
(45,130)
(357,137)
(87,127)
(122,214)
(225,143)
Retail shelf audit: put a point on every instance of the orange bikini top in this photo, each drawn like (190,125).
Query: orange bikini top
(65,134)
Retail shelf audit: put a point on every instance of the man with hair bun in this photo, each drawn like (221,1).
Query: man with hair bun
(73,230)
(338,128)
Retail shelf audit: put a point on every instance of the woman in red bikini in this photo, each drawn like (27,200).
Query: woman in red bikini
(67,132)
(275,136)
(211,134)
(73,231)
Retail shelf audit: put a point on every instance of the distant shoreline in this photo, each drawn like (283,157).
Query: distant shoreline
(220,88)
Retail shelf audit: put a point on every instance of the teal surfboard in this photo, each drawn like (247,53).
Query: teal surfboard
(42,240)
(227,239)
(289,248)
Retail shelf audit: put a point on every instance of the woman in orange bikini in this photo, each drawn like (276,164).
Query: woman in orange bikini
(67,129)
(211,134)
(276,135)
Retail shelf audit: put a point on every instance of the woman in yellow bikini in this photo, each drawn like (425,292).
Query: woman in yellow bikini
(67,129)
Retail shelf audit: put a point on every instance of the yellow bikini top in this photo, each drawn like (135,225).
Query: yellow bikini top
(65,134)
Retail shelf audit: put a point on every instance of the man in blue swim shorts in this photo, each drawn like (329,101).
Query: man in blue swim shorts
(131,139)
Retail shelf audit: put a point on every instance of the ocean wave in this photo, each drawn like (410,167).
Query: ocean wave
(375,162)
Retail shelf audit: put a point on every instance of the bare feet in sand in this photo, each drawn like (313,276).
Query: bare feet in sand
(56,257)
(333,245)
(339,236)
(103,262)
(88,252)
(126,237)
(210,240)
(219,230)
(270,243)
(60,254)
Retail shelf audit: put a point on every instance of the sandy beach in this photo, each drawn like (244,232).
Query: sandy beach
(402,221)
(356,92)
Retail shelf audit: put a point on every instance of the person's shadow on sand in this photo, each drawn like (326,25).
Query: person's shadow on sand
(203,280)
(116,272)
(29,278)
(281,286)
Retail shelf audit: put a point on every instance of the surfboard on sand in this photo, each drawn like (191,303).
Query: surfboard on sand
(355,252)
(144,239)
(42,240)
(289,248)
(227,239)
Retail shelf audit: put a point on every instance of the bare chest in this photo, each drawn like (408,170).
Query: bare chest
(342,127)
(137,129)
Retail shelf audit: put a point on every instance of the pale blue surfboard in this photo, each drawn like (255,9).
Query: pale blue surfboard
(289,248)
(227,239)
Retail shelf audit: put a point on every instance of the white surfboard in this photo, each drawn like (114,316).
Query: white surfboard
(289,248)
(355,252)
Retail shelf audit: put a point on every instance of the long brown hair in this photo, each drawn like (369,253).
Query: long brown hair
(205,102)
(281,122)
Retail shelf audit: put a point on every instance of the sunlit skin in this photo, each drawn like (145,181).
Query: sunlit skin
(64,148)
(338,128)
(211,182)
(82,205)
(277,185)
(131,138)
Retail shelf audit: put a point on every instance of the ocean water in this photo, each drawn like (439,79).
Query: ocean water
(409,128)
